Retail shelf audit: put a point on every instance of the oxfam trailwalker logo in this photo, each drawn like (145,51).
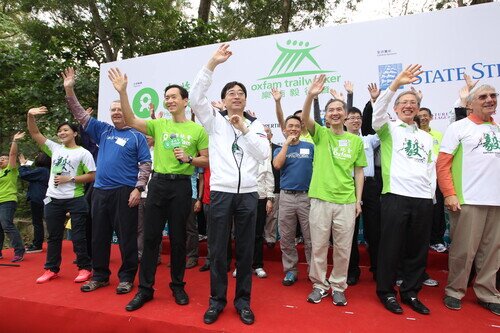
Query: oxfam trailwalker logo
(142,101)
(292,72)
(291,58)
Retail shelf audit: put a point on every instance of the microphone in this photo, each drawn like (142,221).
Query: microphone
(175,142)
(57,174)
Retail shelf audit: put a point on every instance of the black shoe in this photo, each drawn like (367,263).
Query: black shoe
(416,305)
(205,267)
(246,316)
(138,301)
(211,315)
(493,307)
(180,296)
(352,280)
(392,305)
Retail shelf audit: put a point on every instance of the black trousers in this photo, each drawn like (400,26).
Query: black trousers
(37,220)
(110,211)
(371,216)
(371,225)
(258,256)
(223,208)
(55,217)
(406,224)
(438,221)
(168,199)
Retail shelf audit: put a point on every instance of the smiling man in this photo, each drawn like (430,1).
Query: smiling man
(180,146)
(408,173)
(335,195)
(123,168)
(238,144)
(468,166)
(294,160)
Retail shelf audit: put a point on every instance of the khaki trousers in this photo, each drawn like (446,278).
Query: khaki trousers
(475,234)
(327,219)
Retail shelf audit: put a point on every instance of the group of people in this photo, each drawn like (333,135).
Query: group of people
(325,176)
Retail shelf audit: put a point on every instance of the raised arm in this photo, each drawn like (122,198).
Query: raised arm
(380,116)
(14,149)
(314,90)
(74,105)
(198,94)
(349,88)
(279,110)
(32,126)
(120,82)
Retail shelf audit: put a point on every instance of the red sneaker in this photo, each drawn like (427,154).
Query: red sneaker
(48,275)
(83,275)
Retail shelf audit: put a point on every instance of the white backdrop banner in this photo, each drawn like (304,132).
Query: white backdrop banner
(447,44)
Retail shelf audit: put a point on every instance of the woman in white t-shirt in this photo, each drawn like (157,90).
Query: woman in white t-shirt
(72,166)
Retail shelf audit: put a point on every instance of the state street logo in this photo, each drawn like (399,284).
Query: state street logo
(489,142)
(387,74)
(291,57)
(142,99)
(413,150)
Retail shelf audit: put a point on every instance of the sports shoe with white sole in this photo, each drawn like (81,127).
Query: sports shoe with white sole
(339,298)
(316,295)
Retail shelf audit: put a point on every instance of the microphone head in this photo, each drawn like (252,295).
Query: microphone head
(173,136)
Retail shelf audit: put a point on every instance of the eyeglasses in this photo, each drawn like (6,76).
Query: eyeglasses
(235,93)
(353,118)
(412,103)
(483,97)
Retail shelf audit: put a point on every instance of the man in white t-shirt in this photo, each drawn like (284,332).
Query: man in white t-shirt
(467,167)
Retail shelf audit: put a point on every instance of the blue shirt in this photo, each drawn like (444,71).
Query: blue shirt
(370,143)
(120,152)
(297,171)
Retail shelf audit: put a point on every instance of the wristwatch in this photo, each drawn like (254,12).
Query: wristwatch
(73,180)
(190,158)
(140,188)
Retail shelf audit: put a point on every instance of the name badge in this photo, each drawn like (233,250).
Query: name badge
(343,143)
(366,145)
(47,200)
(120,142)
(304,151)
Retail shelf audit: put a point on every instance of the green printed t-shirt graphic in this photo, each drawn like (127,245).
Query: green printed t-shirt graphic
(335,157)
(168,135)
(141,102)
(8,184)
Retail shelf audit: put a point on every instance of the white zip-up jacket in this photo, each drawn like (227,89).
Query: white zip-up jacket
(234,158)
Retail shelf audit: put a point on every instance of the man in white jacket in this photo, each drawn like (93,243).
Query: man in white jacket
(237,145)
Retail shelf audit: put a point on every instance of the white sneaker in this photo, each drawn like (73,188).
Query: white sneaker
(260,272)
(234,273)
(431,283)
(438,247)
(399,283)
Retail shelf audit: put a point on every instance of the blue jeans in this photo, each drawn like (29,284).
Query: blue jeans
(7,210)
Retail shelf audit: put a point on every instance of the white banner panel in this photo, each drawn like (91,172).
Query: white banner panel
(447,43)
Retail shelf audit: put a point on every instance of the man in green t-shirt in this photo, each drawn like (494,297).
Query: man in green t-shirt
(8,200)
(180,146)
(335,195)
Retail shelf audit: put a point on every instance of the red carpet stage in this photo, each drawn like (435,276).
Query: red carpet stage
(59,306)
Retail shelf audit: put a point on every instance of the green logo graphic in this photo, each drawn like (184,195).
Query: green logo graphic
(414,150)
(489,142)
(142,100)
(290,59)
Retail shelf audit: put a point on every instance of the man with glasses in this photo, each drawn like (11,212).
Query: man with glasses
(408,173)
(238,144)
(371,191)
(467,167)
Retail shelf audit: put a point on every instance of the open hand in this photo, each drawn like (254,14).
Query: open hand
(118,79)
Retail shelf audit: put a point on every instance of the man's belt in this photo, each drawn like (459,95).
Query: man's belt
(293,192)
(170,176)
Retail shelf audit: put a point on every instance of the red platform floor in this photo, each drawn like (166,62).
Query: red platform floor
(60,306)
